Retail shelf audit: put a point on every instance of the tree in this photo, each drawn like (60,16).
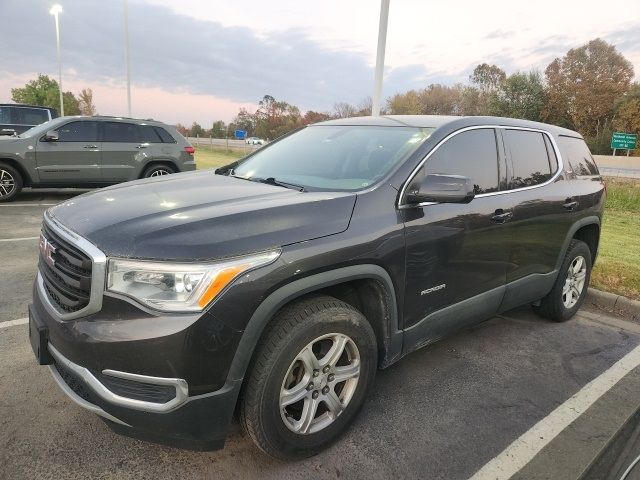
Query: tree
(582,87)
(44,91)
(488,79)
(314,117)
(243,121)
(218,129)
(85,102)
(521,95)
(275,118)
(184,131)
(344,110)
(196,130)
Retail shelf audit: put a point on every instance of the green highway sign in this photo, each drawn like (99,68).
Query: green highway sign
(628,141)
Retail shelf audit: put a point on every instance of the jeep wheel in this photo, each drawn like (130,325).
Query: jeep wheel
(571,286)
(10,182)
(309,377)
(158,171)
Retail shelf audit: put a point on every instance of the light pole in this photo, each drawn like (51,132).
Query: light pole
(382,43)
(55,11)
(126,55)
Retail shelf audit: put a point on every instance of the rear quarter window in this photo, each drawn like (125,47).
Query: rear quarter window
(576,152)
(164,135)
(32,116)
(530,161)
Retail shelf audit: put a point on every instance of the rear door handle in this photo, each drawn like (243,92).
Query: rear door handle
(90,146)
(570,204)
(142,146)
(500,216)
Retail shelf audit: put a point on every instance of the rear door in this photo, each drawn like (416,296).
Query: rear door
(124,151)
(541,201)
(73,158)
(456,254)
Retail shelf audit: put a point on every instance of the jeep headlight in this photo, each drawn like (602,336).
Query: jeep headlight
(172,287)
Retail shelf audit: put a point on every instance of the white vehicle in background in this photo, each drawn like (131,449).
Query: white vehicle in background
(255,141)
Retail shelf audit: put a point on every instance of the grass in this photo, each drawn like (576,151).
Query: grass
(617,269)
(212,157)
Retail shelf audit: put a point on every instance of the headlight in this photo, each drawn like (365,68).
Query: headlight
(171,287)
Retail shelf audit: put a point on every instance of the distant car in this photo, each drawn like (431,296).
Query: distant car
(255,141)
(90,152)
(16,118)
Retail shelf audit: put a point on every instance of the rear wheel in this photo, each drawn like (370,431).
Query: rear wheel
(310,377)
(158,170)
(571,286)
(10,182)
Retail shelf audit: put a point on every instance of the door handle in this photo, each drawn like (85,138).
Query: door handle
(570,204)
(90,146)
(500,216)
(142,146)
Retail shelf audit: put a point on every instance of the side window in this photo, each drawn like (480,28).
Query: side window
(5,115)
(149,134)
(121,132)
(164,135)
(78,132)
(576,152)
(32,116)
(529,158)
(473,154)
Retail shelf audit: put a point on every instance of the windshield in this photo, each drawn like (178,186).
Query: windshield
(39,129)
(334,157)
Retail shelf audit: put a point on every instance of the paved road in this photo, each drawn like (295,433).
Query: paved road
(443,412)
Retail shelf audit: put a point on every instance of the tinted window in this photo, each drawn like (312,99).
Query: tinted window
(578,155)
(472,154)
(32,116)
(164,135)
(553,160)
(149,134)
(78,132)
(529,158)
(121,132)
(5,115)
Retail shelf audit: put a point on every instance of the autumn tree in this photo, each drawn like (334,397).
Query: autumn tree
(44,92)
(314,117)
(582,87)
(344,110)
(85,102)
(274,118)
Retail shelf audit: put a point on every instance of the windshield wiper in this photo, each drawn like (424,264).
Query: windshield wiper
(279,183)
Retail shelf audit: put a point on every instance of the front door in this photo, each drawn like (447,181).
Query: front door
(123,151)
(74,158)
(457,254)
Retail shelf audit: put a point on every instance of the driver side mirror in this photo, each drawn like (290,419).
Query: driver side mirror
(441,189)
(51,136)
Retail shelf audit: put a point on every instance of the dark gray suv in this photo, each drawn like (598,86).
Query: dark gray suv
(90,152)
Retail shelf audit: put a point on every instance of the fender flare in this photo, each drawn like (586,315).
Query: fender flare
(590,220)
(285,294)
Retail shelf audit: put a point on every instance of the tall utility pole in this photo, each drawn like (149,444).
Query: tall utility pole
(382,43)
(126,55)
(55,11)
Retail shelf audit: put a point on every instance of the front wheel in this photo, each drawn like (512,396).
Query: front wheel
(309,378)
(571,286)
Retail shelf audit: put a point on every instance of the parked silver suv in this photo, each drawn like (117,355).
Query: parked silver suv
(90,152)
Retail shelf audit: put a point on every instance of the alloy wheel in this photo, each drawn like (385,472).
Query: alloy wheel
(574,284)
(7,183)
(319,383)
(159,172)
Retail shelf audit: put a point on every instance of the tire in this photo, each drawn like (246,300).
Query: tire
(157,170)
(10,182)
(569,291)
(281,368)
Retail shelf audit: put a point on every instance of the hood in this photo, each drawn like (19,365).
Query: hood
(200,215)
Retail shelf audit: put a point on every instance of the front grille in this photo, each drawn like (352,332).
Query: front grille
(65,271)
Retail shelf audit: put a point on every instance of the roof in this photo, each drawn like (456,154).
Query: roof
(25,105)
(110,118)
(437,121)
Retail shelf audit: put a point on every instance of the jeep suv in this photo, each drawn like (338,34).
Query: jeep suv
(277,285)
(90,152)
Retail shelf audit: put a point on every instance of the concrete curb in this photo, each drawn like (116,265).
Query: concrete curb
(614,302)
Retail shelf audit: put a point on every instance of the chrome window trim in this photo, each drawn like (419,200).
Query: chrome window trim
(414,172)
(98,272)
(180,385)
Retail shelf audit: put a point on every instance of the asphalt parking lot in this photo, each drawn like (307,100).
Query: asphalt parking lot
(482,400)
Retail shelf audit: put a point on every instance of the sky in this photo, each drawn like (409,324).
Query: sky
(202,60)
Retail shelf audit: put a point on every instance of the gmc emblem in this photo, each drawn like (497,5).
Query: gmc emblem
(47,250)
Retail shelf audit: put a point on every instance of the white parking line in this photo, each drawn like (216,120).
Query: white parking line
(529,444)
(13,323)
(28,205)
(18,239)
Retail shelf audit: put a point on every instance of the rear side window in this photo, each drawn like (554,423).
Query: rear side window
(164,135)
(32,116)
(529,158)
(578,155)
(472,154)
(5,115)
(121,132)
(149,134)
(78,132)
